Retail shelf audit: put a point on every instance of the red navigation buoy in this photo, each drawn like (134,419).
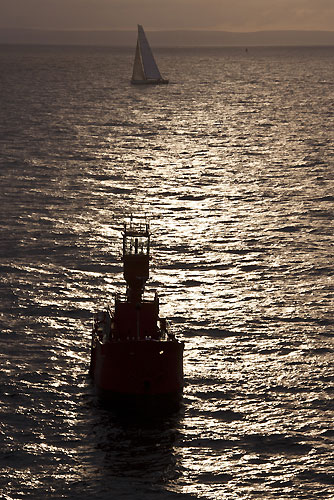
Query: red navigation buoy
(135,359)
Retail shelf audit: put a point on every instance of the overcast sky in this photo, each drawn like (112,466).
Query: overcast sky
(230,15)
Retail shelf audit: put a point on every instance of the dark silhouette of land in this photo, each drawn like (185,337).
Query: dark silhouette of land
(166,38)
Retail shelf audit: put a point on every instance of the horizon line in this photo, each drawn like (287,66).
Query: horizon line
(168,30)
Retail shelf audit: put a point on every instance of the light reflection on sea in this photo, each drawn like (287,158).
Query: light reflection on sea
(233,161)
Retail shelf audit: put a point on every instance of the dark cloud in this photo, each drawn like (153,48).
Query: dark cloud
(233,15)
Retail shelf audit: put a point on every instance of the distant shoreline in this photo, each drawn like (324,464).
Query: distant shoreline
(167,39)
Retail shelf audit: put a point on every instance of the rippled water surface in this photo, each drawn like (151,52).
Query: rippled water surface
(233,161)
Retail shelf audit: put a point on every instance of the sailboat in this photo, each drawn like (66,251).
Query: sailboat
(145,69)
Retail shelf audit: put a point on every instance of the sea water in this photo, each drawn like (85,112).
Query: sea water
(233,163)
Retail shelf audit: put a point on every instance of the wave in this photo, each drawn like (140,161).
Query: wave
(275,444)
(256,443)
(315,476)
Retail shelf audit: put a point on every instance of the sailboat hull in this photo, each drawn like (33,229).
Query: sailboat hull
(149,82)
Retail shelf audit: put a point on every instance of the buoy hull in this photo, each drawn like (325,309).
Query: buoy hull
(148,372)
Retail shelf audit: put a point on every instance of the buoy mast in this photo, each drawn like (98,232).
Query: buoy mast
(136,259)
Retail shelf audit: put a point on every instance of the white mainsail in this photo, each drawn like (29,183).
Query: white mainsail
(145,69)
